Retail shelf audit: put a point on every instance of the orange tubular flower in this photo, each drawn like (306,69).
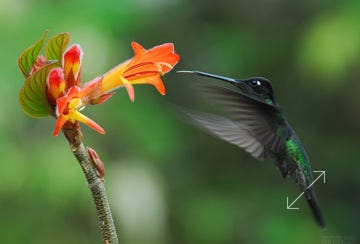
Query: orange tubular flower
(146,67)
(65,93)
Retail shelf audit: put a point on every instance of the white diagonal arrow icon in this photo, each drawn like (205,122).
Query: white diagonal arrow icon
(289,206)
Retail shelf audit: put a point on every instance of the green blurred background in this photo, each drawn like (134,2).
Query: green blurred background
(169,182)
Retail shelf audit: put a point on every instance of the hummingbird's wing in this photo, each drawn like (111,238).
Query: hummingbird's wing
(227,130)
(257,127)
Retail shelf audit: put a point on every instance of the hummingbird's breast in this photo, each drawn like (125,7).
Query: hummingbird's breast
(296,154)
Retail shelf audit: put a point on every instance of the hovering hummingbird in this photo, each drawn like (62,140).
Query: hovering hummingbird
(258,125)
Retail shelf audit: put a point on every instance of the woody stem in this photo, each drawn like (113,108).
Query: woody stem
(96,186)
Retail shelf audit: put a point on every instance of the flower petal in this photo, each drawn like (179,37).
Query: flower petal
(154,80)
(61,120)
(163,54)
(129,88)
(82,118)
(138,49)
(55,83)
(72,64)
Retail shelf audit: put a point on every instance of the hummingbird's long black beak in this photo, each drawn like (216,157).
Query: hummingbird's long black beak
(230,80)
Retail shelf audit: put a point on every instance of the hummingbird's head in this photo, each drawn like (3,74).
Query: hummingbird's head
(257,88)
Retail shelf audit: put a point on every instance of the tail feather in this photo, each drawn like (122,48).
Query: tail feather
(315,209)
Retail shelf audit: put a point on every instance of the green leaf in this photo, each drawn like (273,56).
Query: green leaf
(27,59)
(32,95)
(56,47)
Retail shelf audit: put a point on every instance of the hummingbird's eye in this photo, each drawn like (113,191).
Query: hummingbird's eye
(255,83)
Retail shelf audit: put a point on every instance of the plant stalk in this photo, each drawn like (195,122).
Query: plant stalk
(96,186)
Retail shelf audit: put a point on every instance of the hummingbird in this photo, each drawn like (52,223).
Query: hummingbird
(256,124)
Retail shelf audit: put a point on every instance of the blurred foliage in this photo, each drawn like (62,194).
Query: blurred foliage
(169,182)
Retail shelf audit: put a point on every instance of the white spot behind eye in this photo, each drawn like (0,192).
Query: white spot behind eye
(258,83)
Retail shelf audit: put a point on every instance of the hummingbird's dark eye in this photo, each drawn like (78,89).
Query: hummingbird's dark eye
(255,83)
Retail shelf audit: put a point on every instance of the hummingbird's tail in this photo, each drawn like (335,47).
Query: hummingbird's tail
(313,203)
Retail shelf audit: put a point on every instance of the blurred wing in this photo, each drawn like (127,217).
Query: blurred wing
(227,130)
(254,122)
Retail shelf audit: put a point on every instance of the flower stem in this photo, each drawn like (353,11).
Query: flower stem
(96,186)
(98,192)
